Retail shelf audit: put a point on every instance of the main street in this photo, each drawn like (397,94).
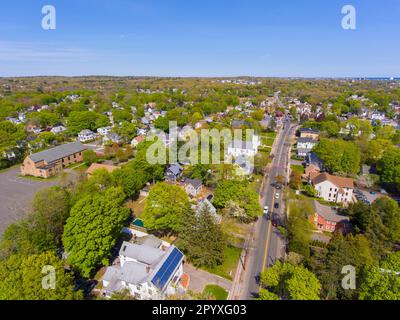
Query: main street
(266,245)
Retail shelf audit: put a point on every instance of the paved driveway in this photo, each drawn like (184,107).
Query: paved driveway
(16,195)
(200,278)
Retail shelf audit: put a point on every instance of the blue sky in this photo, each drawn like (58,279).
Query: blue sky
(200,38)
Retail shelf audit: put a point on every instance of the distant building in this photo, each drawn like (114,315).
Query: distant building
(104,130)
(112,137)
(86,136)
(333,188)
(150,271)
(52,161)
(58,129)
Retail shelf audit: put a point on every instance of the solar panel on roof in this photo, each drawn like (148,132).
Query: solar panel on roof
(165,272)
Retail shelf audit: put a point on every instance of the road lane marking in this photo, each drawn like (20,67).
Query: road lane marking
(266,246)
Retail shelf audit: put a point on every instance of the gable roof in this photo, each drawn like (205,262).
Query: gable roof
(57,153)
(176,169)
(194,182)
(340,182)
(328,213)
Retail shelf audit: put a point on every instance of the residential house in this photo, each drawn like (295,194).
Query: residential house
(86,135)
(52,161)
(149,270)
(244,148)
(193,187)
(104,130)
(137,140)
(305,146)
(309,133)
(311,172)
(327,219)
(112,137)
(58,129)
(173,172)
(333,188)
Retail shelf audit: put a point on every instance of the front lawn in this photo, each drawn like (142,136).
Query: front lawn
(228,268)
(297,168)
(217,292)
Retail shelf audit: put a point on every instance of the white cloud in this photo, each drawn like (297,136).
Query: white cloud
(15,51)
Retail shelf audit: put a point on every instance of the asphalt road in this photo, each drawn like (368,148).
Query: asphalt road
(16,195)
(268,245)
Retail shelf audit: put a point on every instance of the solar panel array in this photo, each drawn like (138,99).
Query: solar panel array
(165,272)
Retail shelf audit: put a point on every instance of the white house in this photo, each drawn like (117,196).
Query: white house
(150,270)
(305,145)
(193,187)
(112,137)
(333,188)
(58,129)
(104,130)
(244,148)
(378,116)
(86,135)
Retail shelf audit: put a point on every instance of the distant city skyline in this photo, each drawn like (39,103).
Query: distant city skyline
(177,38)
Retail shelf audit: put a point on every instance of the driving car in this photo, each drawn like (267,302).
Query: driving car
(276,195)
(266,209)
(277,205)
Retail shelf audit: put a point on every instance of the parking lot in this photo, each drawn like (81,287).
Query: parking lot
(16,196)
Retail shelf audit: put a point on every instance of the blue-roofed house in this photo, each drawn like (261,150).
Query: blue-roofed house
(149,270)
(173,172)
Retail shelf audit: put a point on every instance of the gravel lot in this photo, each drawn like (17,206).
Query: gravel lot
(16,195)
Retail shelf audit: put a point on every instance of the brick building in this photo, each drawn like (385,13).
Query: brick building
(52,161)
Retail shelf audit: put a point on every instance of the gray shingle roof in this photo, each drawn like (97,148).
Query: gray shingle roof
(328,213)
(57,153)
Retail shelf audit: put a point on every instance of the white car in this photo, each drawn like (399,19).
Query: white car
(266,210)
(276,195)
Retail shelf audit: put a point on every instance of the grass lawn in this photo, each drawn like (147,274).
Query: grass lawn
(216,291)
(32,178)
(297,168)
(228,268)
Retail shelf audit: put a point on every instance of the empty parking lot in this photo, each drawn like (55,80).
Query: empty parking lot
(16,195)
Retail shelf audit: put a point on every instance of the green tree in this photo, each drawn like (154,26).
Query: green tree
(89,157)
(239,192)
(165,208)
(389,167)
(21,278)
(339,155)
(130,180)
(290,282)
(377,284)
(202,239)
(92,229)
